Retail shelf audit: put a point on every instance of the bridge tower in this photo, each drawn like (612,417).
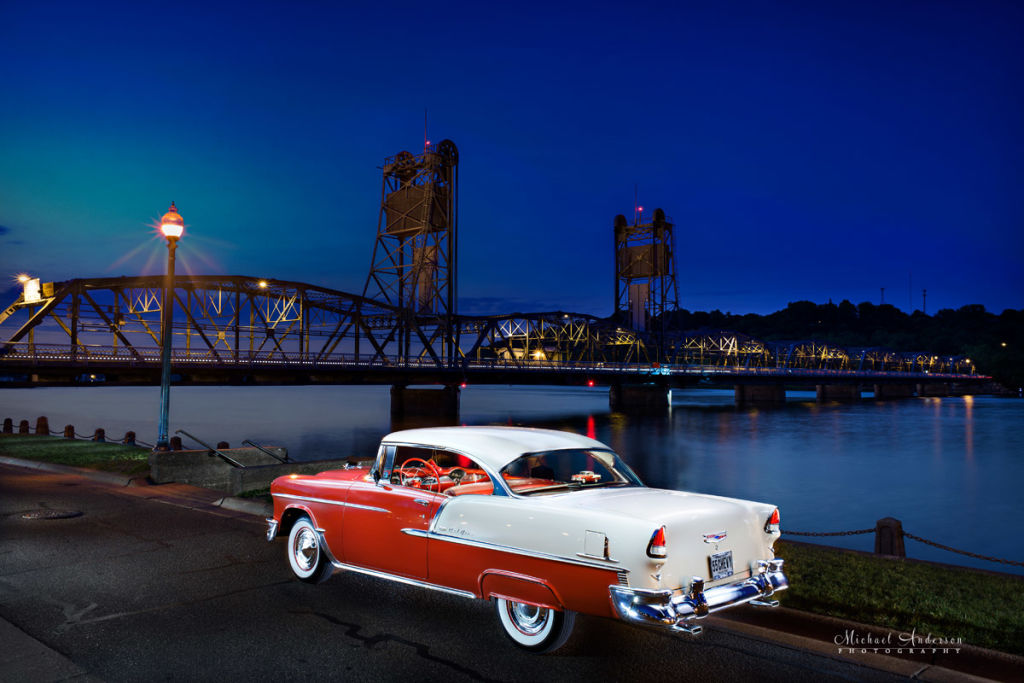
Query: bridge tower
(414,258)
(645,273)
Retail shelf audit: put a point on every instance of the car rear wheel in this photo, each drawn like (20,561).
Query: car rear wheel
(306,557)
(537,629)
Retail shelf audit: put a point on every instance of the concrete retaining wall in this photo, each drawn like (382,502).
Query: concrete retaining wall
(260,476)
(200,468)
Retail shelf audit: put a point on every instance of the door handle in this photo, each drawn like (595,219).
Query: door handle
(421,501)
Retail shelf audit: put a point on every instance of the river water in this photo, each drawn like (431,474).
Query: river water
(952,469)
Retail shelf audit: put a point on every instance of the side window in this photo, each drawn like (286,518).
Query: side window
(439,471)
(383,465)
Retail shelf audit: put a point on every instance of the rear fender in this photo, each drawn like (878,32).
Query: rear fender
(497,583)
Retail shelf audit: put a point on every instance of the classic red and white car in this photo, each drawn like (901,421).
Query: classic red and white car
(544,523)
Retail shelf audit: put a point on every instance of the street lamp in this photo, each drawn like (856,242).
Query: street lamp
(172,226)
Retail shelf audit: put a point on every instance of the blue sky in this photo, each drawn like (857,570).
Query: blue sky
(804,150)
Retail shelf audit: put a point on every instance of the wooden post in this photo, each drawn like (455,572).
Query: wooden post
(69,431)
(23,427)
(889,538)
(100,435)
(42,426)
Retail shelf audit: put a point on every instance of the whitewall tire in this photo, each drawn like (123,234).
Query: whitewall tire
(537,629)
(306,556)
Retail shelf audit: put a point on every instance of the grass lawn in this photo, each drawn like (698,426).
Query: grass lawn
(109,457)
(983,609)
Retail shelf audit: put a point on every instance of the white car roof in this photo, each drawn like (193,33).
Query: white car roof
(492,447)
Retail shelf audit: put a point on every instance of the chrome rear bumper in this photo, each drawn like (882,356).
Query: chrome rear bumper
(673,610)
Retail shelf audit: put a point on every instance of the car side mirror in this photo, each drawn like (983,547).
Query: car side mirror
(375,473)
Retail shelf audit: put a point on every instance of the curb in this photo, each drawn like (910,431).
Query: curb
(246,505)
(95,475)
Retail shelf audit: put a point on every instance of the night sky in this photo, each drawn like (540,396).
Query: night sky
(806,151)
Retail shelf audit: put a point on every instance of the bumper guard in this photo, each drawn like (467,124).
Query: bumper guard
(673,610)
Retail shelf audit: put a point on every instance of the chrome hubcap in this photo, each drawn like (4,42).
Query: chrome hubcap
(305,550)
(529,619)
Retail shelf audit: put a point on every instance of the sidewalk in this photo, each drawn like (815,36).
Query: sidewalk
(25,658)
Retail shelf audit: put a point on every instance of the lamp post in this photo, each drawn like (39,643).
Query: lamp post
(172,226)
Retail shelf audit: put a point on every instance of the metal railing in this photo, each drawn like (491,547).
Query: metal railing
(87,356)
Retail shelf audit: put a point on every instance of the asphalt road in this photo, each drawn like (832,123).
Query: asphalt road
(144,585)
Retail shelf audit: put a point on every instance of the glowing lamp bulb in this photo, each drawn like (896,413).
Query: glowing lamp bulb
(263,284)
(172,225)
(590,382)
(23,278)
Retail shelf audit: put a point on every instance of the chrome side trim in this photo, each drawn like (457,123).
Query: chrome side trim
(308,499)
(402,579)
(271,529)
(430,535)
(672,610)
(597,557)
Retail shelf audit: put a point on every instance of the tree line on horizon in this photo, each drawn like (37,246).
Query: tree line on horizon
(993,342)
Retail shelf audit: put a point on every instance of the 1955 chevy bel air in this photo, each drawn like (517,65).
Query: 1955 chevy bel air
(544,523)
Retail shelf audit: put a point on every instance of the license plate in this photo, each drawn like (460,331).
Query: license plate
(721,565)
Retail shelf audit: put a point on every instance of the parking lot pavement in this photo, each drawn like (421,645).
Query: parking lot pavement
(152,583)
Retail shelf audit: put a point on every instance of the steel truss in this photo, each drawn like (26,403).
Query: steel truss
(414,262)
(234,321)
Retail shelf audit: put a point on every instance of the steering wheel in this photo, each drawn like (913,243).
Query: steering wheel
(428,465)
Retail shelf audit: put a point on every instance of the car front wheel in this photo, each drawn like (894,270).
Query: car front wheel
(306,557)
(537,629)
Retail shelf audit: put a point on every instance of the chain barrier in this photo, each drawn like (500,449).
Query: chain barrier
(963,552)
(906,534)
(829,533)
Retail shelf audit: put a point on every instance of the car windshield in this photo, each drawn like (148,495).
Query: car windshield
(567,470)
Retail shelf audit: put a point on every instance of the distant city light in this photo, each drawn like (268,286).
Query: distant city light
(590,382)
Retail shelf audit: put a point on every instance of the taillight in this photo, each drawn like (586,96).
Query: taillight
(657,548)
(772,526)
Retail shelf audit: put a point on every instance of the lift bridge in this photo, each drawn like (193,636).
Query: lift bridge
(403,329)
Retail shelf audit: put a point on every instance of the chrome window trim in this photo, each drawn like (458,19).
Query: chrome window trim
(402,579)
(310,499)
(432,535)
(503,490)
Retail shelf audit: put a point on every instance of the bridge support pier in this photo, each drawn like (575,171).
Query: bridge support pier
(883,391)
(838,392)
(442,402)
(934,390)
(623,398)
(760,394)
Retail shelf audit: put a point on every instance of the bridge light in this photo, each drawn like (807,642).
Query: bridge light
(263,284)
(172,225)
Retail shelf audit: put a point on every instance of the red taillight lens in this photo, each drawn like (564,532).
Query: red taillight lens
(772,525)
(657,548)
